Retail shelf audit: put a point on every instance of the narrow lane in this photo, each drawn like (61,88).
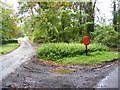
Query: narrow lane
(110,81)
(87,78)
(10,61)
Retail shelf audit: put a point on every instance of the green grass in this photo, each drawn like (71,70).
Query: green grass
(8,47)
(92,59)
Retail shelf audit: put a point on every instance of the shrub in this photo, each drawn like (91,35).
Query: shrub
(7,41)
(107,36)
(54,51)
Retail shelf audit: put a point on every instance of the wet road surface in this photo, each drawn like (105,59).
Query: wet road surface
(36,74)
(9,62)
(110,81)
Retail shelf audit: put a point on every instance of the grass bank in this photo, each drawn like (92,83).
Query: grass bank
(92,59)
(55,51)
(8,47)
(73,53)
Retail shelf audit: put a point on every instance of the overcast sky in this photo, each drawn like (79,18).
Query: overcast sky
(103,5)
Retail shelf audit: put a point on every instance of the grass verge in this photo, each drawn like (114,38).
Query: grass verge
(8,47)
(92,59)
(74,53)
(55,51)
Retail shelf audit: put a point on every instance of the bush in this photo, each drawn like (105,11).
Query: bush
(54,51)
(6,41)
(107,36)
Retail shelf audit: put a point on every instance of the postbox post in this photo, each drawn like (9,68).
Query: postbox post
(86,42)
(86,50)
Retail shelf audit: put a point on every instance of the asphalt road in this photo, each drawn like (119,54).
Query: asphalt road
(9,62)
(110,81)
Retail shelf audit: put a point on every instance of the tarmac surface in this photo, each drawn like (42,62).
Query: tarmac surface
(9,62)
(110,81)
(36,74)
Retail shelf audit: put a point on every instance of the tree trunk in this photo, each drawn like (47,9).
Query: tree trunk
(114,16)
(90,18)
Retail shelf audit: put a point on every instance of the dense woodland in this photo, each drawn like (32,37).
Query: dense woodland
(52,22)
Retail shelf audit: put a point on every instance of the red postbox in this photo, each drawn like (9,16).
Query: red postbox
(86,40)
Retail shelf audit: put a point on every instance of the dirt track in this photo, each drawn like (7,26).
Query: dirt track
(35,74)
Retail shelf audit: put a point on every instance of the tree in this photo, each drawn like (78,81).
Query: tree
(58,22)
(9,27)
(116,14)
(87,11)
